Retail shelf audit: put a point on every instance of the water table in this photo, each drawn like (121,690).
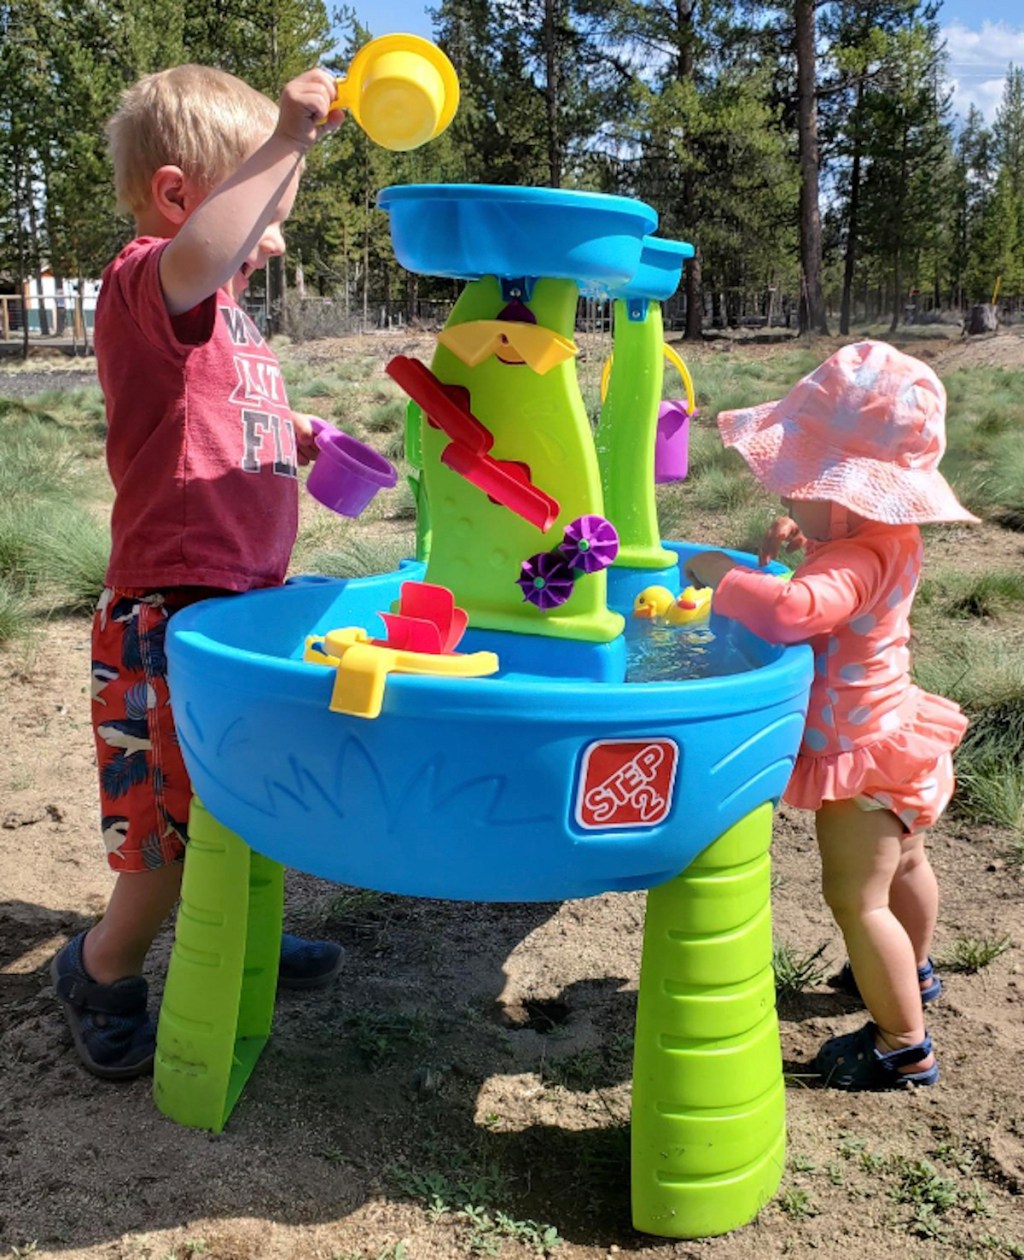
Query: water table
(501,743)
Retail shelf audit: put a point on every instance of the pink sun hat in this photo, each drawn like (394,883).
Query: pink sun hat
(865,429)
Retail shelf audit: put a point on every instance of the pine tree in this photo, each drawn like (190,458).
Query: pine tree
(971,189)
(905,110)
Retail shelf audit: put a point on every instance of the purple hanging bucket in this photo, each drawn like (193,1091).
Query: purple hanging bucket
(672,442)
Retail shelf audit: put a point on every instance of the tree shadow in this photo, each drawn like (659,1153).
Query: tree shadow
(29,936)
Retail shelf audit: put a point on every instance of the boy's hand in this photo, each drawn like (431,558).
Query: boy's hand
(707,568)
(783,534)
(305,438)
(305,112)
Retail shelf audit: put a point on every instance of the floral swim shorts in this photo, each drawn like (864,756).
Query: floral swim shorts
(144,788)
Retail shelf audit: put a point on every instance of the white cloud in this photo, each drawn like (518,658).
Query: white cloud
(978,60)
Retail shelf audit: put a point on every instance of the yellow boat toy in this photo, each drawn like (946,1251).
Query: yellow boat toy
(657,603)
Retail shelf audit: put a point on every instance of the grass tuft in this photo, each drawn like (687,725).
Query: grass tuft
(795,972)
(969,954)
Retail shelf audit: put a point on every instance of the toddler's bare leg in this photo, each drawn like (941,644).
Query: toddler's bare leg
(140,903)
(860,856)
(914,896)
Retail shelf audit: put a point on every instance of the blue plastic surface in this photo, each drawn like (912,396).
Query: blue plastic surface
(461,788)
(471,230)
(659,271)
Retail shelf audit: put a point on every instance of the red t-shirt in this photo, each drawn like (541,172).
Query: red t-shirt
(200,443)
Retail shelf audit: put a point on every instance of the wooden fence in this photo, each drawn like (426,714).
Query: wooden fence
(67,318)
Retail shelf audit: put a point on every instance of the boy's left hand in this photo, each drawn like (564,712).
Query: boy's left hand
(707,568)
(304,437)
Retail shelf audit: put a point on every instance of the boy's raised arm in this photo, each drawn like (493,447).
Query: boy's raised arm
(226,226)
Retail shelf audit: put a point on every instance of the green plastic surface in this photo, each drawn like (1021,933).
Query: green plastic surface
(477,547)
(219,997)
(708,1123)
(625,437)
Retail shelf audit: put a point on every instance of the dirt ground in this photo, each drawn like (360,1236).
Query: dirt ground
(480,1044)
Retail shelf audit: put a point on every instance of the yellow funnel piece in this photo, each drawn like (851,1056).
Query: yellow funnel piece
(363,666)
(537,347)
(401,89)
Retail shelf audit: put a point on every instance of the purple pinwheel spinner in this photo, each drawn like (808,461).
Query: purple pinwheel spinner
(590,543)
(546,580)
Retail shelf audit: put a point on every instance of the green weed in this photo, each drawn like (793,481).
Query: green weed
(379,1037)
(1005,1246)
(354,909)
(988,681)
(69,551)
(589,1068)
(795,972)
(469,1196)
(393,1251)
(966,595)
(361,556)
(969,954)
(14,611)
(962,1158)
(797,1204)
(918,1183)
(725,490)
(387,417)
(801,1163)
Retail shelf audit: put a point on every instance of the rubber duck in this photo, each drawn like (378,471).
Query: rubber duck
(657,603)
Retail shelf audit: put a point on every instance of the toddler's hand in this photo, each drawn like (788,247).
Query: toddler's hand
(782,534)
(305,438)
(707,568)
(305,112)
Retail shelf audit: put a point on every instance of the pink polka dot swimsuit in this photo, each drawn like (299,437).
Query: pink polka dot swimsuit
(870,732)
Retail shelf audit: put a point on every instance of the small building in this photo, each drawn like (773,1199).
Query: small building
(52,307)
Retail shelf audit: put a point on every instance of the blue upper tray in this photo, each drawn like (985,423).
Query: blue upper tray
(659,271)
(472,230)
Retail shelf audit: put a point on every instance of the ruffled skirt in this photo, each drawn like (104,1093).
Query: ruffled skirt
(932,726)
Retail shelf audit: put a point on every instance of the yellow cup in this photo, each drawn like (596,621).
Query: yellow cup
(401,89)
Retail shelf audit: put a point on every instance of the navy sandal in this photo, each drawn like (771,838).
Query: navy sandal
(925,975)
(114,1035)
(308,964)
(854,1062)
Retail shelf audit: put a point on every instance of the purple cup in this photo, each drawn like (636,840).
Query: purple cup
(347,473)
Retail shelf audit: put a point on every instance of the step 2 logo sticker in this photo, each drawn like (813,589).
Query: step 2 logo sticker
(626,783)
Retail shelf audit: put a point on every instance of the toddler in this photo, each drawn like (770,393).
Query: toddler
(203,450)
(853,450)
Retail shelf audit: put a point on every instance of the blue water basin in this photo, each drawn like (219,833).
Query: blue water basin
(517,787)
(471,230)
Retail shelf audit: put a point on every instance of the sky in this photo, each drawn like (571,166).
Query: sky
(981,40)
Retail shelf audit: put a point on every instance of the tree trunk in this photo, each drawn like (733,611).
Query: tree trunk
(366,259)
(812,314)
(552,92)
(853,223)
(692,272)
(897,264)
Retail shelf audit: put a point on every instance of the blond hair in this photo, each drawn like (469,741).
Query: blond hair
(203,120)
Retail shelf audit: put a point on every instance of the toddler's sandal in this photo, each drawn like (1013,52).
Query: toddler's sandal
(113,1033)
(853,1062)
(308,964)
(846,982)
(932,984)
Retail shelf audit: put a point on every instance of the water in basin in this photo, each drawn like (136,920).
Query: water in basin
(659,653)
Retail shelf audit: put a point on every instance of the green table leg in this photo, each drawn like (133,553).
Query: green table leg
(708,1124)
(219,997)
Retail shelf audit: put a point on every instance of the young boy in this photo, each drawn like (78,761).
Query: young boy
(203,450)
